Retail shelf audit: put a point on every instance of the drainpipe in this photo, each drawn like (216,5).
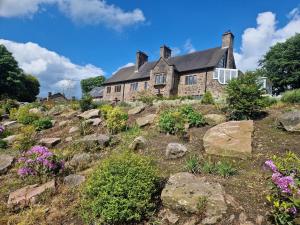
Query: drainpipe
(123,91)
(205,82)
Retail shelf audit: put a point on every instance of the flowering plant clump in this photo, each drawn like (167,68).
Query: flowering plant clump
(285,195)
(2,129)
(39,161)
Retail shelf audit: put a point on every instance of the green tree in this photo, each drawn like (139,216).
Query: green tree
(14,83)
(244,96)
(88,84)
(281,64)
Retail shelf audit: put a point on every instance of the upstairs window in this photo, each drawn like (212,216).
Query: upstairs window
(190,79)
(146,85)
(160,78)
(134,86)
(108,90)
(118,88)
(225,75)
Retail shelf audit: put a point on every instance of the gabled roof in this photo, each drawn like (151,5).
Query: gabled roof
(193,61)
(97,92)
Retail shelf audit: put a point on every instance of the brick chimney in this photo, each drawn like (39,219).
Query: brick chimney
(165,52)
(141,58)
(227,42)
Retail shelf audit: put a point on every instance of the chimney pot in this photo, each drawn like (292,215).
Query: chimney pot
(165,52)
(227,39)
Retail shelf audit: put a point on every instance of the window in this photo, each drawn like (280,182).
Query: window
(160,78)
(118,88)
(108,90)
(222,62)
(134,86)
(224,75)
(190,79)
(146,85)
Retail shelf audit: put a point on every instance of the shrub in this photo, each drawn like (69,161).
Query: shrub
(292,96)
(172,121)
(268,101)
(207,98)
(285,190)
(9,104)
(120,191)
(146,97)
(116,120)
(26,139)
(22,115)
(192,165)
(40,162)
(86,103)
(3,144)
(105,109)
(42,124)
(244,97)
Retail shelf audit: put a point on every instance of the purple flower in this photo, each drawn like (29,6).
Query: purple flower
(2,129)
(271,165)
(283,182)
(24,171)
(293,210)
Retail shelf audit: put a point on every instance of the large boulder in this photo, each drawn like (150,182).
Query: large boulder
(89,114)
(5,163)
(214,119)
(136,110)
(49,142)
(99,139)
(291,121)
(232,139)
(175,150)
(186,192)
(28,194)
(145,120)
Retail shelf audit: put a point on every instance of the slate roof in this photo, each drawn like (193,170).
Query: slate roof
(193,61)
(97,92)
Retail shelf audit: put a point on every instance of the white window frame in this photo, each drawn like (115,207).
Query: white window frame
(216,75)
(162,76)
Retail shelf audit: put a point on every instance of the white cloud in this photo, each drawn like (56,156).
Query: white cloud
(257,41)
(90,12)
(55,72)
(121,67)
(188,46)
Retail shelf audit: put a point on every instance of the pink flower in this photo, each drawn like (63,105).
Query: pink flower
(271,165)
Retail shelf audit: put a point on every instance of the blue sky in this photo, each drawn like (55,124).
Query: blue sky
(63,41)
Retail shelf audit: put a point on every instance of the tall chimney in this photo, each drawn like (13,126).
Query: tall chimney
(141,58)
(227,42)
(165,52)
(49,94)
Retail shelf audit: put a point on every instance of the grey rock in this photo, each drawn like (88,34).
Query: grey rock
(10,139)
(49,142)
(94,122)
(63,123)
(146,120)
(100,139)
(80,161)
(214,119)
(36,111)
(175,150)
(10,124)
(73,130)
(89,114)
(136,110)
(68,139)
(74,180)
(291,121)
(138,143)
(5,163)
(183,190)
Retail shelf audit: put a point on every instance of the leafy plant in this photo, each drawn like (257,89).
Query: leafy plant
(244,97)
(292,96)
(285,191)
(105,109)
(120,191)
(116,120)
(86,103)
(207,98)
(225,169)
(42,124)
(192,165)
(195,119)
(3,144)
(22,115)
(26,139)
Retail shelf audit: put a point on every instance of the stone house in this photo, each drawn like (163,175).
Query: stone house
(186,75)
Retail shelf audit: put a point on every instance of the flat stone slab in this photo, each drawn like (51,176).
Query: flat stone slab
(74,180)
(10,139)
(5,163)
(146,120)
(94,122)
(10,124)
(49,142)
(214,119)
(183,191)
(100,139)
(28,194)
(136,110)
(232,139)
(69,115)
(291,121)
(89,114)
(73,130)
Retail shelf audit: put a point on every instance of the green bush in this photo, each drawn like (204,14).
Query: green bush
(244,97)
(26,139)
(105,109)
(292,96)
(3,144)
(172,121)
(116,120)
(268,101)
(120,191)
(22,115)
(86,103)
(207,98)
(42,124)
(9,104)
